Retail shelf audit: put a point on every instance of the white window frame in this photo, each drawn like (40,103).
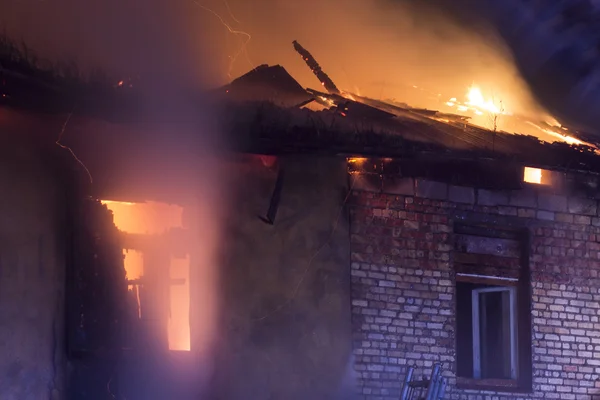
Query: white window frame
(513,329)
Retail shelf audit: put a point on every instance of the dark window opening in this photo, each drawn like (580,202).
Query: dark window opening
(487,330)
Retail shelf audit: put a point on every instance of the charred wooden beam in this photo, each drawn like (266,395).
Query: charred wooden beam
(275,198)
(316,69)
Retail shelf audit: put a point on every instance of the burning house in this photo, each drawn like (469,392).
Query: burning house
(324,245)
(468,248)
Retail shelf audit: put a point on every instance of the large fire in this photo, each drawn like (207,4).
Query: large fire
(532,175)
(488,112)
(155,219)
(476,103)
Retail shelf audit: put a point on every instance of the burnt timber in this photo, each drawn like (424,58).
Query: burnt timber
(316,69)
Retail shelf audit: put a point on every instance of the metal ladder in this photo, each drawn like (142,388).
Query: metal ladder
(434,387)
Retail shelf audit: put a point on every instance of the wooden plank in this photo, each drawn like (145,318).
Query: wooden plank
(485,280)
(502,273)
(485,245)
(486,259)
(486,230)
(486,384)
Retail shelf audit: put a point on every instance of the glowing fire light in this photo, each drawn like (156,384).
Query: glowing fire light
(348,96)
(153,219)
(329,102)
(356,160)
(532,175)
(477,100)
(564,138)
(476,103)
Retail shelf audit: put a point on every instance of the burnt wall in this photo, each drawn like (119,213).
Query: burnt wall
(285,320)
(32,268)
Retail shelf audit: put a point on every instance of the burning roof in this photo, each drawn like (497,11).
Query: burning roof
(348,123)
(266,111)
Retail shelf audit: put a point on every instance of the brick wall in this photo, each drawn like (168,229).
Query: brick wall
(403,285)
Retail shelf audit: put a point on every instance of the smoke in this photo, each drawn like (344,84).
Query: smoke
(157,39)
(380,48)
(383,48)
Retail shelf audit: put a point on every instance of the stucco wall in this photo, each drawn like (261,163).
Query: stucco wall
(31,278)
(286,327)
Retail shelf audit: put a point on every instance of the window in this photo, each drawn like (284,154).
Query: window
(532,175)
(494,327)
(493,322)
(487,331)
(538,176)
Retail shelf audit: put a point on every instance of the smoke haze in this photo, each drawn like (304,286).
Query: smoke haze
(378,48)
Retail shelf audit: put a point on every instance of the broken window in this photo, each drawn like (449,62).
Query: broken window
(493,323)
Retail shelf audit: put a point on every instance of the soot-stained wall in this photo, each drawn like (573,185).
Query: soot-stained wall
(285,320)
(32,268)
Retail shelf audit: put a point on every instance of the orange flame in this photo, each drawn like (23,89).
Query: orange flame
(532,175)
(149,219)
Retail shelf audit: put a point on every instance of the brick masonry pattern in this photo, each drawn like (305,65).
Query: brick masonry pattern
(403,289)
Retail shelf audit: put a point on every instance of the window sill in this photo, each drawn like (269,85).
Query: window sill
(496,385)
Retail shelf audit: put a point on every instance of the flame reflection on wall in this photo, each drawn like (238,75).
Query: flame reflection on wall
(153,218)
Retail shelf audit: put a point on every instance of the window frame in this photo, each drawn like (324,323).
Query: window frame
(513,327)
(515,230)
